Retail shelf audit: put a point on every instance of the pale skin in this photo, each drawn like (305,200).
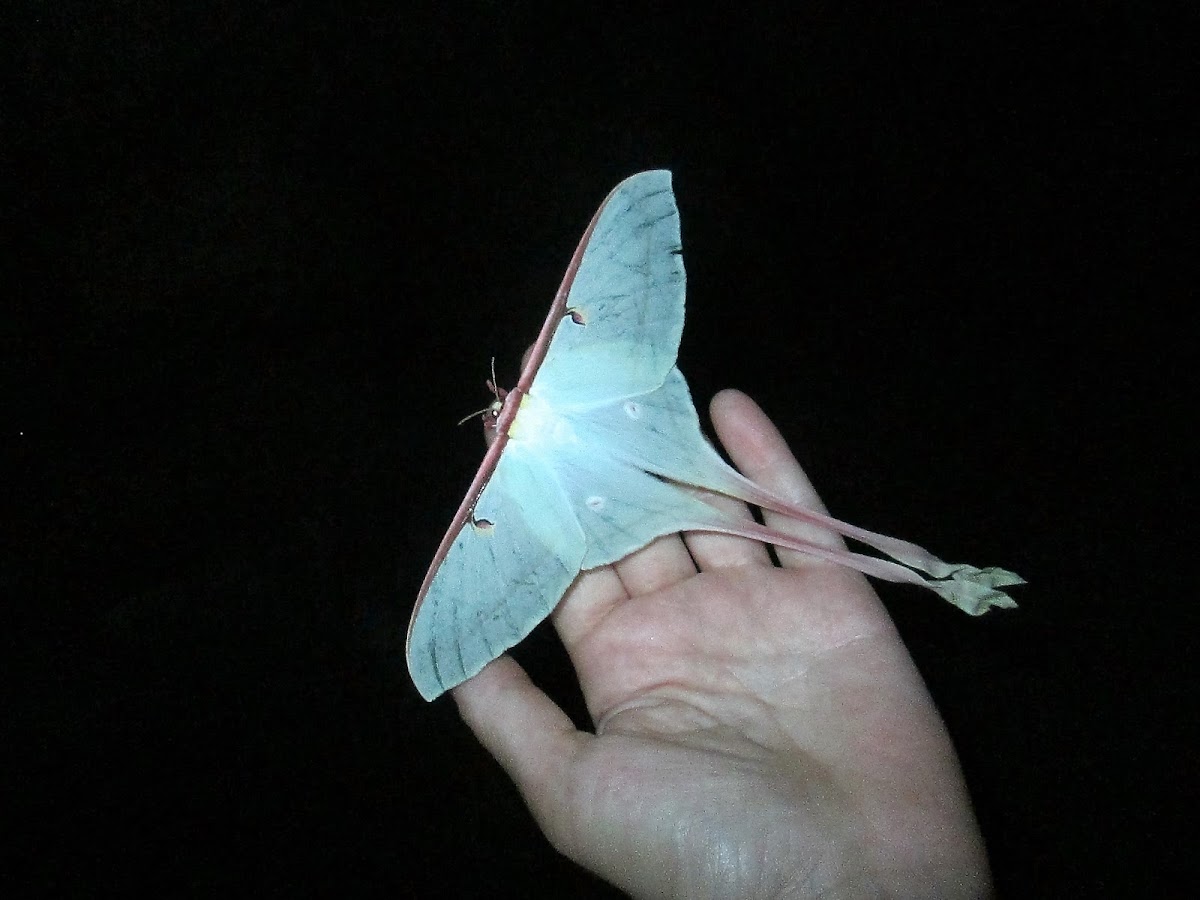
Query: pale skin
(761,731)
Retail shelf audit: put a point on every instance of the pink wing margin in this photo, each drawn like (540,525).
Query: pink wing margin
(508,412)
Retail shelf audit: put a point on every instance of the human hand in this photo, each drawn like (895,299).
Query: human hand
(760,731)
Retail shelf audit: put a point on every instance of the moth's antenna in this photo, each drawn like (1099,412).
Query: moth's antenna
(478,412)
(491,406)
(492,384)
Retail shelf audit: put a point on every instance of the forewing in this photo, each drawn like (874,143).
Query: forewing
(505,570)
(619,331)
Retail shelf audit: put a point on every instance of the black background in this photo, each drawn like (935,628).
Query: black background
(258,257)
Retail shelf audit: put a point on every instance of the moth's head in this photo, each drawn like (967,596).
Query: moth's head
(491,418)
(491,415)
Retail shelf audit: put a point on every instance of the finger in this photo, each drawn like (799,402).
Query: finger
(590,599)
(661,563)
(762,455)
(595,594)
(711,550)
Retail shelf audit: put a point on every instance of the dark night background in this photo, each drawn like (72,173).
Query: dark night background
(258,256)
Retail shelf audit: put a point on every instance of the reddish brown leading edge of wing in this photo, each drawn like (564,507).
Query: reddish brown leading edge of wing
(512,403)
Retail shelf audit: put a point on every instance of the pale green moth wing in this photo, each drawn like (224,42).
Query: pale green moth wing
(618,333)
(657,432)
(503,573)
(625,464)
(517,542)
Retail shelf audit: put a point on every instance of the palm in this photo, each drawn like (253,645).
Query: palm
(760,730)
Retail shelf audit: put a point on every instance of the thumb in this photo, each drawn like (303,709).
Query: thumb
(528,734)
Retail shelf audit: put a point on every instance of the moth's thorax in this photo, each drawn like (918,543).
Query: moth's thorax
(537,424)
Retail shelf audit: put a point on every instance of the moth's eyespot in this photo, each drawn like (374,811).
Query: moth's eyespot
(577,316)
(595,503)
(482,525)
(633,410)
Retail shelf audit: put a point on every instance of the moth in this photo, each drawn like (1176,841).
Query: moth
(598,450)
